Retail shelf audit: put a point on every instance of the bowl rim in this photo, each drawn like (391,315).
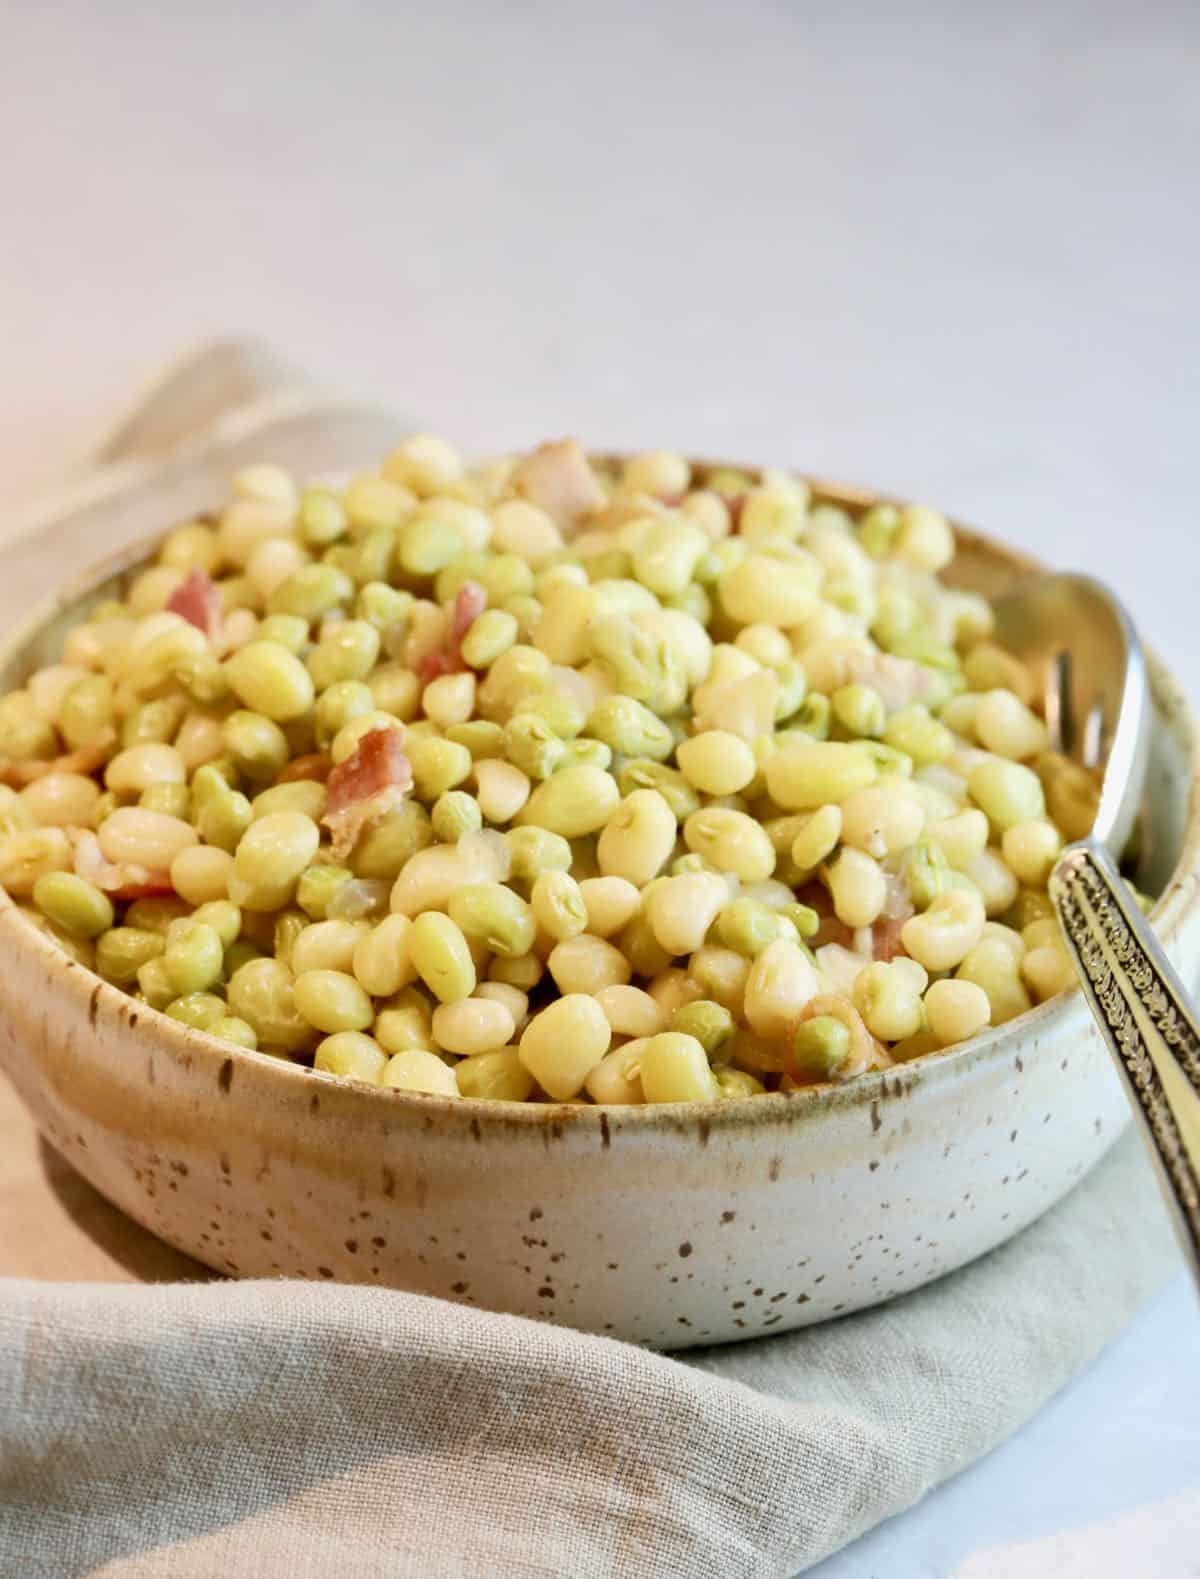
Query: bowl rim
(97,998)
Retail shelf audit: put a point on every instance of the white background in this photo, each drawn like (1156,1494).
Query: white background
(949,250)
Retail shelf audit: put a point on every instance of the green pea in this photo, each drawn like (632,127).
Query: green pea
(641,948)
(645,669)
(926,873)
(813,716)
(321,518)
(1029,906)
(389,844)
(820,1047)
(239,954)
(288,928)
(536,850)
(896,613)
(261,993)
(888,760)
(877,530)
(481,737)
(257,745)
(229,1028)
(376,550)
(342,702)
(156,915)
(426,545)
(527,612)
(347,651)
(631,729)
(289,630)
(317,886)
(202,678)
(454,814)
(642,773)
(558,710)
(439,952)
(385,607)
(584,753)
(492,634)
(78,907)
(494,916)
(221,815)
(86,711)
(575,802)
(467,567)
(437,765)
(693,600)
(683,864)
(710,1023)
(748,926)
(921,645)
(312,592)
(194,957)
(531,745)
(121,951)
(200,1010)
(154,723)
(155,987)
(793,687)
(859,709)
(270,680)
(804,918)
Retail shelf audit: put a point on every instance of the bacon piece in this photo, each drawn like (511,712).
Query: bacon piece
(197,600)
(317,767)
(86,759)
(559,479)
(369,783)
(469,603)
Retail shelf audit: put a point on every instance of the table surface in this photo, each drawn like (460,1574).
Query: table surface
(949,251)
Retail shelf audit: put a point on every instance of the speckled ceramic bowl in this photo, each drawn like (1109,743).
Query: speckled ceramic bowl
(667,1225)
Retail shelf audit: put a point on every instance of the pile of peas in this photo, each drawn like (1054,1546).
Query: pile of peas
(720,791)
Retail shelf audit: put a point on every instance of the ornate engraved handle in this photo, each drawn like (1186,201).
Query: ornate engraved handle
(1142,1011)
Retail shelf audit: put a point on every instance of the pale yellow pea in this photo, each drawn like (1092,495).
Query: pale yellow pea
(61,800)
(1007,792)
(471,1026)
(450,699)
(763,589)
(616,1081)
(680,910)
(780,982)
(558,905)
(817,837)
(134,836)
(675,1068)
(630,1011)
(807,775)
(418,1070)
(673,989)
(200,874)
(269,859)
(941,936)
(326,945)
(270,680)
(857,887)
(575,802)
(882,819)
(610,902)
(1005,726)
(331,1000)
(352,1055)
(498,1076)
(1047,970)
(441,956)
(380,960)
(1031,849)
(638,838)
(956,1010)
(513,999)
(1040,933)
(585,964)
(133,770)
(889,1002)
(721,974)
(523,529)
(563,1044)
(996,884)
(731,841)
(501,789)
(717,762)
(961,838)
(993,966)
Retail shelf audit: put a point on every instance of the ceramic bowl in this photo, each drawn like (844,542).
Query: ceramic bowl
(671,1226)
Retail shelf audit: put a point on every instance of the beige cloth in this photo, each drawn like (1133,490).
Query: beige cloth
(242,1431)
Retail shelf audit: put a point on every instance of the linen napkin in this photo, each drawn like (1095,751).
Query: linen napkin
(242,1431)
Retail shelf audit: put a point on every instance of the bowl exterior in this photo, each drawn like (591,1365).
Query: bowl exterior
(670,1227)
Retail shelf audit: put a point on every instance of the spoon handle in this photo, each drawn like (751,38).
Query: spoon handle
(1145,1017)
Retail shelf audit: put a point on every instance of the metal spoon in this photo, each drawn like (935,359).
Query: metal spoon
(1084,654)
